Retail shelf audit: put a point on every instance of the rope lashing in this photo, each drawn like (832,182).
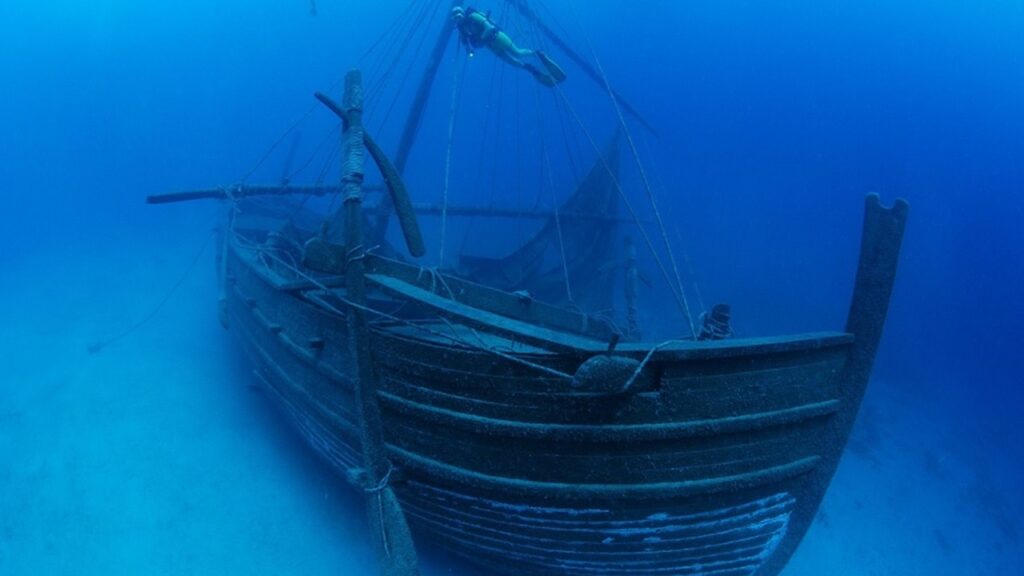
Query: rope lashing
(357,476)
(715,323)
(384,481)
(643,363)
(435,278)
(355,253)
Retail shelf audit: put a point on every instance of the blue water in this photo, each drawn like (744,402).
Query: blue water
(154,455)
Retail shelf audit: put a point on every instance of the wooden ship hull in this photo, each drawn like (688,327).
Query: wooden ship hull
(480,413)
(524,440)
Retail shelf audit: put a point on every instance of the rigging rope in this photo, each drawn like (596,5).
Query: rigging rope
(624,198)
(693,277)
(101,344)
(546,169)
(277,143)
(489,141)
(409,68)
(559,106)
(687,262)
(497,141)
(391,31)
(393,48)
(457,68)
(517,154)
(646,182)
(331,158)
(418,23)
(316,152)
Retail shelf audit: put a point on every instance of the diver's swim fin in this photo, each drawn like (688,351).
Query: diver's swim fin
(554,69)
(545,79)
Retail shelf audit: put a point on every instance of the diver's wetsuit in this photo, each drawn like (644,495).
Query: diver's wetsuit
(478,30)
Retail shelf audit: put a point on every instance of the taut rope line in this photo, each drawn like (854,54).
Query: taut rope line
(647,184)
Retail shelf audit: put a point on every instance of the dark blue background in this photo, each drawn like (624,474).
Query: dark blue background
(776,118)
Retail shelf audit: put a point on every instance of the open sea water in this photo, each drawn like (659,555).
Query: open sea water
(156,454)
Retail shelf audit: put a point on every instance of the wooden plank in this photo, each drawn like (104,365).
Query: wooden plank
(478,481)
(613,462)
(326,257)
(556,540)
(645,432)
(684,350)
(559,342)
(736,537)
(513,305)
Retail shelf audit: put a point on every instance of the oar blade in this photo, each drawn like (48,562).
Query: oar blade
(391,534)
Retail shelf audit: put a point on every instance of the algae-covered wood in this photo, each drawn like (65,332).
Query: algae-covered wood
(710,463)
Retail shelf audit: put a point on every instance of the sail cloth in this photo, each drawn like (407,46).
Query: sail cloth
(537,266)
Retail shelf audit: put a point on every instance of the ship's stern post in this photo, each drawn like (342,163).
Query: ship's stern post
(881,239)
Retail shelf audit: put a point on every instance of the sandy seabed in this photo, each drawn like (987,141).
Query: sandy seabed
(156,455)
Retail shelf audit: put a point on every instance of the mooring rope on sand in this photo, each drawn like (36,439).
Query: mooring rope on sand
(101,344)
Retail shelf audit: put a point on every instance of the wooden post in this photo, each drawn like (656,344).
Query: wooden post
(392,538)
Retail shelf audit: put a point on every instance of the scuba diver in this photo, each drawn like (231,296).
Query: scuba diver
(477,30)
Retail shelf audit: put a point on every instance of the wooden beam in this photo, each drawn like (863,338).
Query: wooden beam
(240,191)
(513,213)
(424,208)
(534,335)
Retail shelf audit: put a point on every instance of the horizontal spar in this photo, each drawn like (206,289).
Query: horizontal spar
(232,192)
(512,213)
(424,208)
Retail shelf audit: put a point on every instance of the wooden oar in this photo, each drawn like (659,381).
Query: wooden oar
(392,538)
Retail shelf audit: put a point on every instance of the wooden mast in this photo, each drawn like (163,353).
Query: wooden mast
(392,538)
